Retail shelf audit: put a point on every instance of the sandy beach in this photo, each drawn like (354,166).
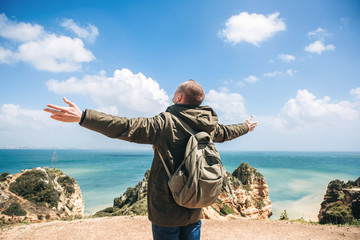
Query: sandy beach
(140,228)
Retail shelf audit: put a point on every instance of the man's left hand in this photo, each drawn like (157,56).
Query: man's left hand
(251,124)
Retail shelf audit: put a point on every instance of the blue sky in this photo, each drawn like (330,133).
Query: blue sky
(293,65)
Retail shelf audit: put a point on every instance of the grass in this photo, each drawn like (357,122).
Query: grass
(355,223)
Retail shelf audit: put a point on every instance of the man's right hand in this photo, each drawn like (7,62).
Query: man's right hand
(64,114)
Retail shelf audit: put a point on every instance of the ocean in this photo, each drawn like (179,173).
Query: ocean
(297,180)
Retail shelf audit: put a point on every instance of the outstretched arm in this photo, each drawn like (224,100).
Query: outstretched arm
(64,114)
(229,132)
(139,130)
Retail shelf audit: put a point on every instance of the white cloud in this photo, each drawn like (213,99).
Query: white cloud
(318,47)
(288,72)
(34,128)
(252,28)
(319,33)
(251,79)
(19,31)
(12,115)
(229,106)
(356,92)
(306,109)
(6,55)
(43,50)
(88,33)
(307,106)
(286,57)
(274,74)
(55,54)
(125,93)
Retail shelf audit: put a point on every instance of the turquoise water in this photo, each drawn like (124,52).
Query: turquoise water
(297,180)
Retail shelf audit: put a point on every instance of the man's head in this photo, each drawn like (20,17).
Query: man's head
(189,92)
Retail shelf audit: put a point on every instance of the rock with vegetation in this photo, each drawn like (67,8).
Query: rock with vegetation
(132,202)
(341,203)
(39,194)
(244,194)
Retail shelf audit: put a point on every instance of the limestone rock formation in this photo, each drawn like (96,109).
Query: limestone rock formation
(38,195)
(245,194)
(341,202)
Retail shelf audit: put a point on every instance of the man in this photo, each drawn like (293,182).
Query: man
(169,136)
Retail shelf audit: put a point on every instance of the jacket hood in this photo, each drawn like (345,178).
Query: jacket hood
(199,118)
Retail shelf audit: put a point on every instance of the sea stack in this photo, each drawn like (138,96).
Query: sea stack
(245,194)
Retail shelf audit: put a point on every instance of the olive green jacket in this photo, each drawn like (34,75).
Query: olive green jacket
(166,132)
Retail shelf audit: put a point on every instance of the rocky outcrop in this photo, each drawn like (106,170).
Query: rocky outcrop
(132,202)
(38,195)
(341,202)
(245,194)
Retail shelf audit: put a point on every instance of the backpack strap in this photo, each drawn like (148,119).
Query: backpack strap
(187,126)
(198,135)
(162,160)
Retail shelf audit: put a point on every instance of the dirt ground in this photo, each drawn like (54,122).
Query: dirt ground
(132,228)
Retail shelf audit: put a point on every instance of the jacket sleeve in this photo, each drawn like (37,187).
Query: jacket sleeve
(228,132)
(138,130)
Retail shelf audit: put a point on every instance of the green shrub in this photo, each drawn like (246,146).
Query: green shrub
(108,210)
(336,185)
(34,186)
(337,213)
(355,222)
(236,182)
(247,188)
(68,207)
(284,216)
(3,176)
(355,207)
(226,210)
(260,204)
(14,209)
(67,183)
(139,208)
(357,182)
(247,203)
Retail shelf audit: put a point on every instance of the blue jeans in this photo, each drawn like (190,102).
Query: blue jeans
(189,232)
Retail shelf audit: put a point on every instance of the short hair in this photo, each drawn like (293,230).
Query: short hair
(193,92)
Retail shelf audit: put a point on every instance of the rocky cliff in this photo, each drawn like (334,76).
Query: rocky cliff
(38,195)
(341,202)
(245,194)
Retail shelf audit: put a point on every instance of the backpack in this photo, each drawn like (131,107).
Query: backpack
(198,180)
